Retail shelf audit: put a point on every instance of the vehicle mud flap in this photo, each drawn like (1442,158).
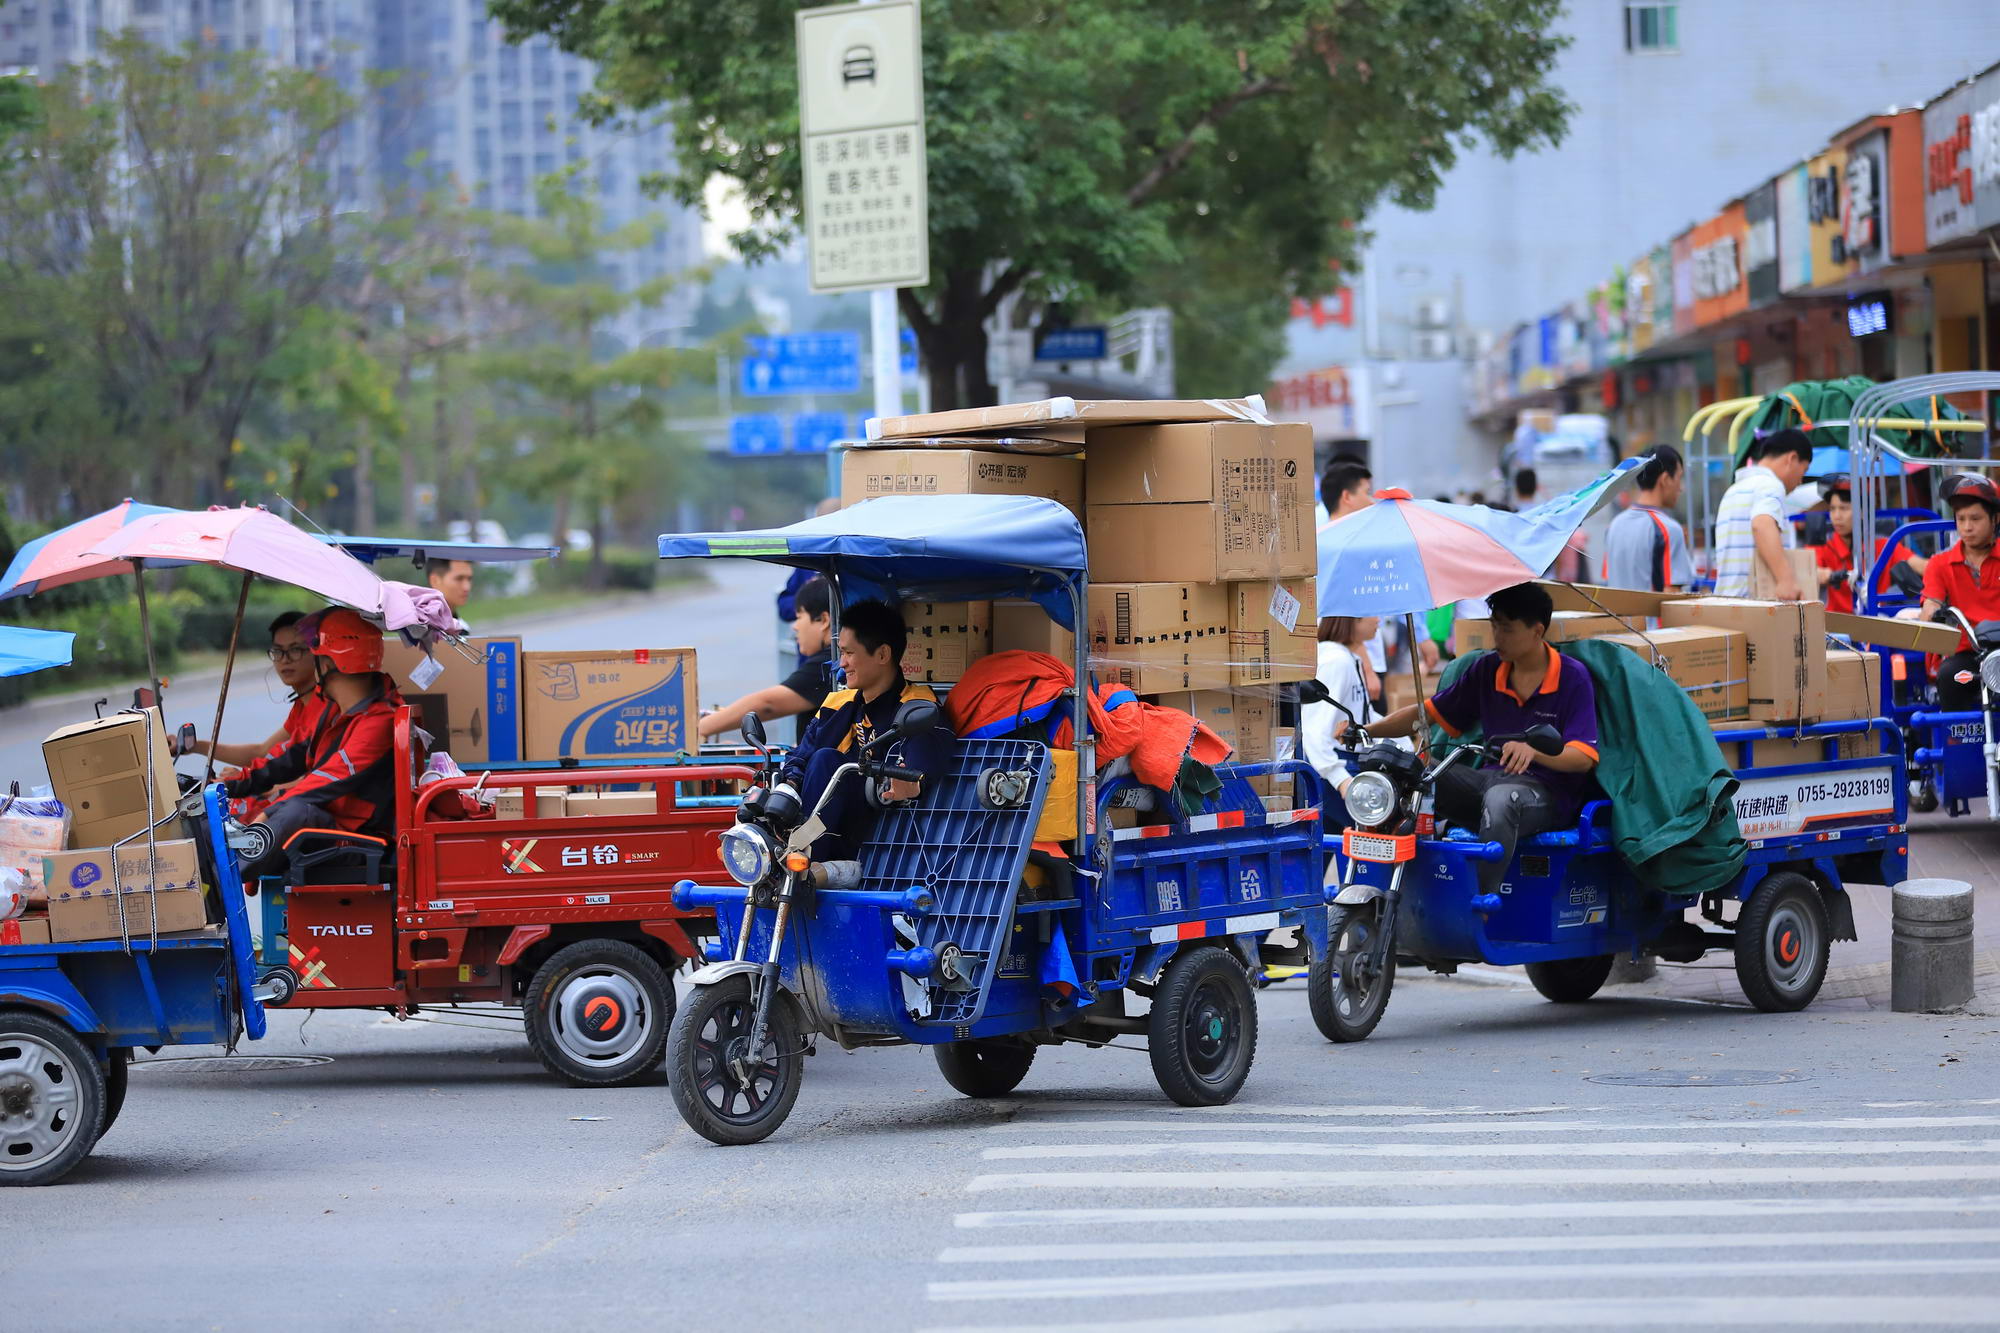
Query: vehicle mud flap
(1152,961)
(1839,914)
(1830,877)
(1246,948)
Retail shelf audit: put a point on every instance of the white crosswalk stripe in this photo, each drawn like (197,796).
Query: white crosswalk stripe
(1138,1217)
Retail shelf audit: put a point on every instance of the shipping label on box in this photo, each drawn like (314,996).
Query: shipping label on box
(945,638)
(98,769)
(472,707)
(1853,684)
(1160,637)
(1476,636)
(868,473)
(1024,627)
(1273,631)
(1784,647)
(1708,664)
(637,704)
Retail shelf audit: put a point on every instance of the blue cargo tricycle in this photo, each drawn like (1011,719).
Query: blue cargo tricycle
(961,929)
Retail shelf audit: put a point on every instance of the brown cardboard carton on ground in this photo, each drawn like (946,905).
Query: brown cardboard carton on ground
(1160,637)
(1805,572)
(1853,684)
(1784,646)
(98,770)
(636,705)
(1024,627)
(868,473)
(473,708)
(512,803)
(1062,414)
(84,889)
(1192,543)
(1273,631)
(599,804)
(1476,636)
(1708,664)
(945,638)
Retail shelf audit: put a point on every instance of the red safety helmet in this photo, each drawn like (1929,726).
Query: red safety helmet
(343,638)
(1971,486)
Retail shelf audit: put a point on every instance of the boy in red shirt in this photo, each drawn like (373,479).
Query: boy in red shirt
(1836,557)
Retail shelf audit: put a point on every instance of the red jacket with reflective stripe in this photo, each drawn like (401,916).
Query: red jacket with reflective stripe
(347,765)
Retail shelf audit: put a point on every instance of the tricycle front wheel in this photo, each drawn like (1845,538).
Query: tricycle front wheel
(726,1095)
(992,1067)
(51,1099)
(1202,1032)
(1782,943)
(1345,991)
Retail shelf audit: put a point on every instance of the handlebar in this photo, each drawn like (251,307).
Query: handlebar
(898,774)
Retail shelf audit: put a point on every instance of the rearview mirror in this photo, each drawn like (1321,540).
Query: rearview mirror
(915,716)
(1312,692)
(1544,739)
(753,730)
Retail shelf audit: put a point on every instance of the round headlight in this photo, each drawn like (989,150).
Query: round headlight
(1989,673)
(746,854)
(1371,799)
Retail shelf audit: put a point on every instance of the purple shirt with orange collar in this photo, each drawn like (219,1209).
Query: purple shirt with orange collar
(1566,701)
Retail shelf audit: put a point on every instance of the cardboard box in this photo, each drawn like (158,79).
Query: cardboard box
(1400,690)
(1784,647)
(83,891)
(868,473)
(1273,631)
(473,709)
(1476,636)
(25,930)
(945,638)
(1853,684)
(96,917)
(1627,602)
(636,705)
(1709,665)
(550,803)
(1782,753)
(1918,636)
(600,804)
(98,770)
(1058,413)
(1024,627)
(1805,571)
(1160,637)
(1195,543)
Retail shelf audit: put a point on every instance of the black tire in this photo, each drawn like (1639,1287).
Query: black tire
(1923,796)
(1782,941)
(117,1073)
(991,1068)
(1202,1031)
(597,1013)
(1347,1000)
(51,1099)
(1572,980)
(715,1105)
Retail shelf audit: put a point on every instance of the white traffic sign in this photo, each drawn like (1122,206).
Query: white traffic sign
(861,134)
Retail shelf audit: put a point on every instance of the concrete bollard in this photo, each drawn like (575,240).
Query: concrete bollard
(1930,949)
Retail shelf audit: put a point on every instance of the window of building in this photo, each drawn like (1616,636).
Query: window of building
(145,8)
(545,114)
(545,163)
(510,119)
(1652,27)
(482,147)
(481,92)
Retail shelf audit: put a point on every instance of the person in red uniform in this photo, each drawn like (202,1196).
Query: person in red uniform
(1965,578)
(341,776)
(1836,557)
(293,662)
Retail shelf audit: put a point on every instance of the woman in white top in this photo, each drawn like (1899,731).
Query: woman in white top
(1350,678)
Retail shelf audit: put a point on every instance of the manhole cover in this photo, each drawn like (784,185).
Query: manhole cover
(1697,1078)
(230,1064)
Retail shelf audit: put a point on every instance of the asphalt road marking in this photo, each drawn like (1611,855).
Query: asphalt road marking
(1899,1174)
(1031,1110)
(1587,1148)
(1205,1126)
(1526,1211)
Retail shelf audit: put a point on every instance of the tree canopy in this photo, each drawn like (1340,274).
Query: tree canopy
(1082,150)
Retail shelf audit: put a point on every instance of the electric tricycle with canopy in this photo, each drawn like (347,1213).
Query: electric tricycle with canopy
(958,931)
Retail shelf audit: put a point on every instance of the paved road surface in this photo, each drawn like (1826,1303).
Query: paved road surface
(731,622)
(1462,1168)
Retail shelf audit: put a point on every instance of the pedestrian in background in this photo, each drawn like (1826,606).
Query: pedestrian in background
(1645,546)
(1753,524)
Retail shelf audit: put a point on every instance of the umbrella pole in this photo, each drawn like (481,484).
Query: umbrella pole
(146,633)
(228,665)
(1416,668)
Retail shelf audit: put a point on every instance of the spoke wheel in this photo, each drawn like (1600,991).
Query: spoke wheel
(51,1099)
(1782,944)
(1346,992)
(597,1013)
(724,1092)
(1202,1032)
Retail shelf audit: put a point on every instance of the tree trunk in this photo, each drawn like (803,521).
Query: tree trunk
(598,509)
(406,457)
(364,482)
(955,345)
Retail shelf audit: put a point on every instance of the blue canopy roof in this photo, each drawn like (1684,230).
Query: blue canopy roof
(368,550)
(922,548)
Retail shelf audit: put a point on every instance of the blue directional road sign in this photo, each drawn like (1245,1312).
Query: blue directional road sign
(800,363)
(909,352)
(813,432)
(757,433)
(1081,344)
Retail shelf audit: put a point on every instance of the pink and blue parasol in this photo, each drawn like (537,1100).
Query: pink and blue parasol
(65,555)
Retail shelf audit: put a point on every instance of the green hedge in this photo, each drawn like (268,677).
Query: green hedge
(636,571)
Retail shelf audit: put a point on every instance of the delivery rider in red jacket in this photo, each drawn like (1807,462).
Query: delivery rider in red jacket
(342,775)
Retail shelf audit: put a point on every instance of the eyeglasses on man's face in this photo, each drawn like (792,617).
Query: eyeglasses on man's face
(298,652)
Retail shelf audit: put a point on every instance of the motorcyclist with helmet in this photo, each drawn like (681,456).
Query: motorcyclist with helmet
(1967,579)
(1835,557)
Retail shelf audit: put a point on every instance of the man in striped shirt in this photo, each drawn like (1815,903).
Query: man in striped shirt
(1645,547)
(1752,524)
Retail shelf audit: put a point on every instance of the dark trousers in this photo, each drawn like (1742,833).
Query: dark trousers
(1952,696)
(284,819)
(848,813)
(1501,808)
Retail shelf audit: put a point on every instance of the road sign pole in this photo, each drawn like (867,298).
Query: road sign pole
(888,352)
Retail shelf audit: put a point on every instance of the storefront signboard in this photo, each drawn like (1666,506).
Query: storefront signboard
(1684,283)
(1985,112)
(1864,202)
(1795,269)
(1948,211)
(1639,300)
(1825,177)
(1760,243)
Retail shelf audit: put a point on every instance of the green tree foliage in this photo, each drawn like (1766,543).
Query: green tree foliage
(1080,149)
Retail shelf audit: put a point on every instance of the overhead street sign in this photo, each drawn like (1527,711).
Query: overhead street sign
(801,363)
(1079,344)
(814,432)
(861,137)
(757,433)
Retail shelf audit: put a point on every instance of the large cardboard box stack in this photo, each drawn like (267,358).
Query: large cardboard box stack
(868,473)
(1273,631)
(636,704)
(1707,663)
(1160,637)
(1024,627)
(945,638)
(1784,650)
(471,703)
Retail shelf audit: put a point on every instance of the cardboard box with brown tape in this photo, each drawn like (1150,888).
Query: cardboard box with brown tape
(1784,647)
(945,638)
(1476,636)
(1853,684)
(868,473)
(472,706)
(602,804)
(1273,631)
(637,705)
(158,886)
(1805,572)
(1710,666)
(512,802)
(1160,637)
(1024,627)
(98,769)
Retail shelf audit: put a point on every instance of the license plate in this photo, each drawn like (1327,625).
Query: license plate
(1380,848)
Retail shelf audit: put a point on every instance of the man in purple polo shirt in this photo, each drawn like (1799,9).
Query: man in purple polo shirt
(1522,683)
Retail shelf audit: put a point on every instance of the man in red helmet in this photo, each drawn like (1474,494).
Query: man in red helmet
(1835,558)
(341,776)
(1967,579)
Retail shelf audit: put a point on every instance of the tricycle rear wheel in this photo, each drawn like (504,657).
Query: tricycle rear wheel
(1346,994)
(712,1031)
(989,1068)
(1572,980)
(51,1099)
(597,1013)
(1202,1032)
(1782,943)
(117,1073)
